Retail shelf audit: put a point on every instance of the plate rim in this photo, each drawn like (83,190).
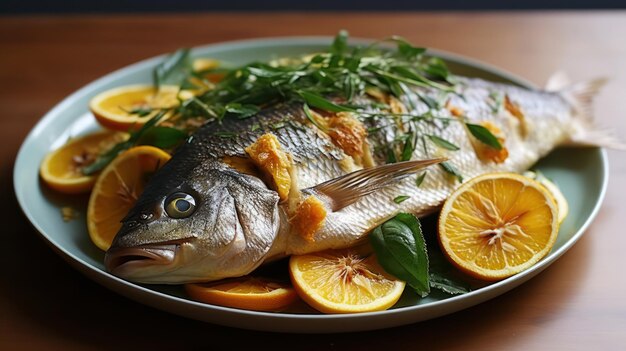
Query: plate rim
(132,290)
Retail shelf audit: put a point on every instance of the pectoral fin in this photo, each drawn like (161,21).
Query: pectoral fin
(346,190)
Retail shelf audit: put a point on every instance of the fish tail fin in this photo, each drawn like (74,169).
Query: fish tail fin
(347,189)
(580,95)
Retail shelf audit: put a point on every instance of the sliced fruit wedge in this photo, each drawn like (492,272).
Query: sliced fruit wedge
(117,189)
(249,293)
(343,281)
(62,168)
(560,199)
(129,107)
(497,225)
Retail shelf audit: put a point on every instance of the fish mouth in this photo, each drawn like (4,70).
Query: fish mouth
(140,262)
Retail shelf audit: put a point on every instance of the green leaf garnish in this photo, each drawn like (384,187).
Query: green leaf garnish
(226,135)
(484,135)
(309,115)
(409,148)
(400,199)
(447,285)
(105,158)
(401,251)
(443,143)
(242,111)
(318,101)
(174,69)
(162,137)
(498,100)
(420,179)
(406,49)
(450,169)
(340,44)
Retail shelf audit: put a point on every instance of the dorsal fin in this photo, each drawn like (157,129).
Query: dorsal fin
(347,189)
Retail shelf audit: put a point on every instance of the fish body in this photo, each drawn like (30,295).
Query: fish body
(202,218)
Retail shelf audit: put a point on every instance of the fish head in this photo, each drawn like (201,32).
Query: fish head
(206,224)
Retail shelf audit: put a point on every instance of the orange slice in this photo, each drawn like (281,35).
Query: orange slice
(112,108)
(117,189)
(343,281)
(497,225)
(247,293)
(62,168)
(556,192)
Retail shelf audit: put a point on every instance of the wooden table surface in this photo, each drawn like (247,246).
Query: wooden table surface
(578,303)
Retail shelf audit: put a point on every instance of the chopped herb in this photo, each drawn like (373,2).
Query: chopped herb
(108,156)
(318,101)
(498,100)
(162,137)
(430,102)
(450,169)
(225,134)
(278,125)
(409,147)
(340,44)
(400,199)
(439,282)
(420,179)
(309,115)
(484,135)
(139,111)
(241,111)
(442,143)
(174,69)
(255,127)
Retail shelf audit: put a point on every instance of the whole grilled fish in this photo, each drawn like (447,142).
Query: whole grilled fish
(210,213)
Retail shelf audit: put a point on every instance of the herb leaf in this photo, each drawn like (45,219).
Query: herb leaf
(450,169)
(174,69)
(406,49)
(108,156)
(309,115)
(439,282)
(484,135)
(400,199)
(420,179)
(401,251)
(340,44)
(162,137)
(242,111)
(443,143)
(318,101)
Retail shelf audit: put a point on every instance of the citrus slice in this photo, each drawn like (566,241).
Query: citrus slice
(342,281)
(117,189)
(247,293)
(497,225)
(61,169)
(131,106)
(560,199)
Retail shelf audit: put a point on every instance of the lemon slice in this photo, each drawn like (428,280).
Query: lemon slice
(62,168)
(117,189)
(342,281)
(497,225)
(248,293)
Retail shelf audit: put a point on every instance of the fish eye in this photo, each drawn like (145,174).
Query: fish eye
(180,205)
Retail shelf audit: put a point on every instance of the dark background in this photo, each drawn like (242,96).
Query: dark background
(87,6)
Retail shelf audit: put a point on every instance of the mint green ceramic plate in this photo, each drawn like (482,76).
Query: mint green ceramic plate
(581,174)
